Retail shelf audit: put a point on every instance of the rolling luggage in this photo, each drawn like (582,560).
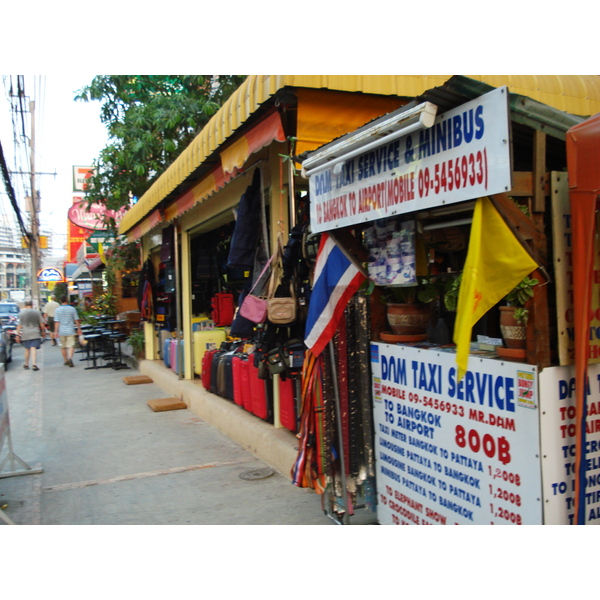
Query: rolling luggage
(223,308)
(214,366)
(287,404)
(208,339)
(225,375)
(175,348)
(245,383)
(238,363)
(166,352)
(258,389)
(206,368)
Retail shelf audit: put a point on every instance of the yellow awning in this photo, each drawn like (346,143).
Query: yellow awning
(576,94)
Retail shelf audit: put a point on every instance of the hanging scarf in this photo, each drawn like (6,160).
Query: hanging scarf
(309,468)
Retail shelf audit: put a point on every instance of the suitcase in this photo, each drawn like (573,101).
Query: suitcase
(287,404)
(225,376)
(258,389)
(175,351)
(223,308)
(214,366)
(166,352)
(206,368)
(245,383)
(206,340)
(236,367)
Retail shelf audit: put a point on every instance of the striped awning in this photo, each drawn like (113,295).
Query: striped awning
(576,94)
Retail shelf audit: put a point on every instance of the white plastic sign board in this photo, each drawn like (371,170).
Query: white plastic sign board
(464,155)
(455,453)
(557,400)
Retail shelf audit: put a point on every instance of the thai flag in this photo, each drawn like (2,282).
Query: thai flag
(336,280)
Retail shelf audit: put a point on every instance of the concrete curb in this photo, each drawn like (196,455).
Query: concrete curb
(276,447)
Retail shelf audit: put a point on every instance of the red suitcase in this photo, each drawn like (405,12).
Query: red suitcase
(258,390)
(245,382)
(287,404)
(223,308)
(238,390)
(207,368)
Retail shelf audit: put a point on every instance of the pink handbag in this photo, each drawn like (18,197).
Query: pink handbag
(254,308)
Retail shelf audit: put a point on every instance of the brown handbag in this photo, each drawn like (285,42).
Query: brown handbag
(280,311)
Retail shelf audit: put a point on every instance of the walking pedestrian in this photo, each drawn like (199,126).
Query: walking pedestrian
(66,323)
(49,311)
(31,329)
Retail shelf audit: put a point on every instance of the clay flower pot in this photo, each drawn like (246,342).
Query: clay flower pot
(408,319)
(513,332)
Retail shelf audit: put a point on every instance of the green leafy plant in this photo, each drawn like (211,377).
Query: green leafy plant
(150,120)
(452,289)
(426,290)
(136,340)
(519,295)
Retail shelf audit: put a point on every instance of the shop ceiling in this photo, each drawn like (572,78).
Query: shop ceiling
(261,94)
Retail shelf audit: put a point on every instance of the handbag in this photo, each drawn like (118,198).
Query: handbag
(280,310)
(254,308)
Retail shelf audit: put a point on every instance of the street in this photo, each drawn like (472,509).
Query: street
(108,459)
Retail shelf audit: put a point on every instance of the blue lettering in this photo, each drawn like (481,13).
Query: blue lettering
(468,126)
(483,389)
(393,369)
(479,123)
(469,384)
(457,133)
(441,136)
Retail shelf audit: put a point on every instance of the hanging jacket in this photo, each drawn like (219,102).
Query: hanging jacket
(247,226)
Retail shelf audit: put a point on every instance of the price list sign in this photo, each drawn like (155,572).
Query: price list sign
(452,452)
(557,394)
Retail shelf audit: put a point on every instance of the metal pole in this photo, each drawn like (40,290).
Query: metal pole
(35,288)
(292,193)
(178,299)
(338,418)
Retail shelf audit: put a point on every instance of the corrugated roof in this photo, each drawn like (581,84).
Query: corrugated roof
(576,94)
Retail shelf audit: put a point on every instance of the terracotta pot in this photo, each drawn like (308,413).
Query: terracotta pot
(408,319)
(514,334)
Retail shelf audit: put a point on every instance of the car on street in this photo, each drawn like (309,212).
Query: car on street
(6,345)
(9,317)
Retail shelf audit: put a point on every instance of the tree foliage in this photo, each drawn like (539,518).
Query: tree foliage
(150,120)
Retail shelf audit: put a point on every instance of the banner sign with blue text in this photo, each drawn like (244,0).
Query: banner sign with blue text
(455,453)
(557,403)
(463,156)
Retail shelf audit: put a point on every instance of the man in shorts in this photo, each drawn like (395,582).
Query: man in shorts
(66,327)
(49,311)
(31,330)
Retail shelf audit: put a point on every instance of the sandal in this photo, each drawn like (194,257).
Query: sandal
(25,366)
(35,368)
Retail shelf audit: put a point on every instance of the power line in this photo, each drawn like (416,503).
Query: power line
(11,193)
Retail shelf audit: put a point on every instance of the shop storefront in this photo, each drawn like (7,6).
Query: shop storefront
(476,432)
(382,424)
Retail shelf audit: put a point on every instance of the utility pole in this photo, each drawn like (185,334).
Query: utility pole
(35,234)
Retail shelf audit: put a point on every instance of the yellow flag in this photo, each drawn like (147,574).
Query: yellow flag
(496,262)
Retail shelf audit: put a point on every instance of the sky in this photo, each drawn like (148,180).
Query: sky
(67,134)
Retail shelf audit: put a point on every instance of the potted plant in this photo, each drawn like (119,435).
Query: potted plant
(136,340)
(409,307)
(514,316)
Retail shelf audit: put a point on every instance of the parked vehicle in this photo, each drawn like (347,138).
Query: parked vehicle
(9,317)
(6,344)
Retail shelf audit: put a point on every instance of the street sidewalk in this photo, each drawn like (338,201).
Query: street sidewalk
(108,459)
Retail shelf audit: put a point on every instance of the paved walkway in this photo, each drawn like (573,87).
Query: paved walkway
(108,459)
